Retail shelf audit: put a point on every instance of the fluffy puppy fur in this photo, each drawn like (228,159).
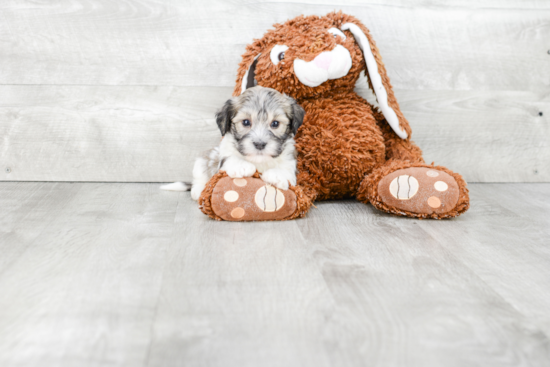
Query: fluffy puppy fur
(258,129)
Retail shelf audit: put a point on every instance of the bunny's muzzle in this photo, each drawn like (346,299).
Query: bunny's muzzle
(327,65)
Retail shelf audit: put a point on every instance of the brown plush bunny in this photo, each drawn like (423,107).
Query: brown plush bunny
(346,147)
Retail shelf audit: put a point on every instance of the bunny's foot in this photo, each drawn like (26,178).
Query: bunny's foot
(415,190)
(251,199)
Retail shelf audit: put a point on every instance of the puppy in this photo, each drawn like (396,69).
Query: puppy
(258,129)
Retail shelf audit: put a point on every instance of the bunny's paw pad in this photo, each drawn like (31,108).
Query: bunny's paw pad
(251,199)
(419,190)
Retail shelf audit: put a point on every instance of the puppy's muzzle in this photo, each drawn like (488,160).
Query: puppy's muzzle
(260,145)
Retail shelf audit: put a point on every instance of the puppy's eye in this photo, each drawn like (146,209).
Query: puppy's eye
(275,124)
(281,56)
(246,122)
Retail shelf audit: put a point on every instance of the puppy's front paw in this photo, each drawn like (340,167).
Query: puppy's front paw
(239,169)
(196,191)
(278,178)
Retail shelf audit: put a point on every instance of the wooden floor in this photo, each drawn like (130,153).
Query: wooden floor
(98,274)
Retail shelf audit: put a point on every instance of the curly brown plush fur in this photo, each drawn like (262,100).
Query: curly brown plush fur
(345,145)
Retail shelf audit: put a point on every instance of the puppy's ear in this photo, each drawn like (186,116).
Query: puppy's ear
(225,115)
(297,117)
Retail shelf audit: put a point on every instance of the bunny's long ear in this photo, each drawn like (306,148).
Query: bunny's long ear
(246,74)
(379,81)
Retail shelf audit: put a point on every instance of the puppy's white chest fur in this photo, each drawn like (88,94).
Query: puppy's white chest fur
(262,163)
(277,171)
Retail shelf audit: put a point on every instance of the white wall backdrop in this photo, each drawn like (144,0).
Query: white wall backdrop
(126,90)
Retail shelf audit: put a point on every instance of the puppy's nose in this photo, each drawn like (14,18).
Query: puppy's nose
(259,145)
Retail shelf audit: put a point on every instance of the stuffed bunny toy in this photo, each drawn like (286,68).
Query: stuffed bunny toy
(347,148)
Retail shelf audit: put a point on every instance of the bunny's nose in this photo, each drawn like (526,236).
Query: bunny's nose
(323,60)
(260,145)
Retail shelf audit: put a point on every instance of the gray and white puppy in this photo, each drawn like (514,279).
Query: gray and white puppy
(258,129)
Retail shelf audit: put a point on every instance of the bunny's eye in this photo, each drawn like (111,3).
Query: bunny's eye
(277,53)
(336,32)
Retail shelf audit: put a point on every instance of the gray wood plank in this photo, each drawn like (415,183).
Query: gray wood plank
(417,293)
(129,275)
(84,291)
(239,294)
(508,234)
(105,133)
(153,134)
(473,45)
(28,208)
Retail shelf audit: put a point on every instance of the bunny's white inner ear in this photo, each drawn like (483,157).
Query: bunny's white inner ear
(375,78)
(248,78)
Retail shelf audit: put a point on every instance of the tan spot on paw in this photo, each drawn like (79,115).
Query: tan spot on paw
(231,196)
(404,187)
(241,182)
(441,186)
(269,198)
(432,173)
(237,213)
(434,202)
